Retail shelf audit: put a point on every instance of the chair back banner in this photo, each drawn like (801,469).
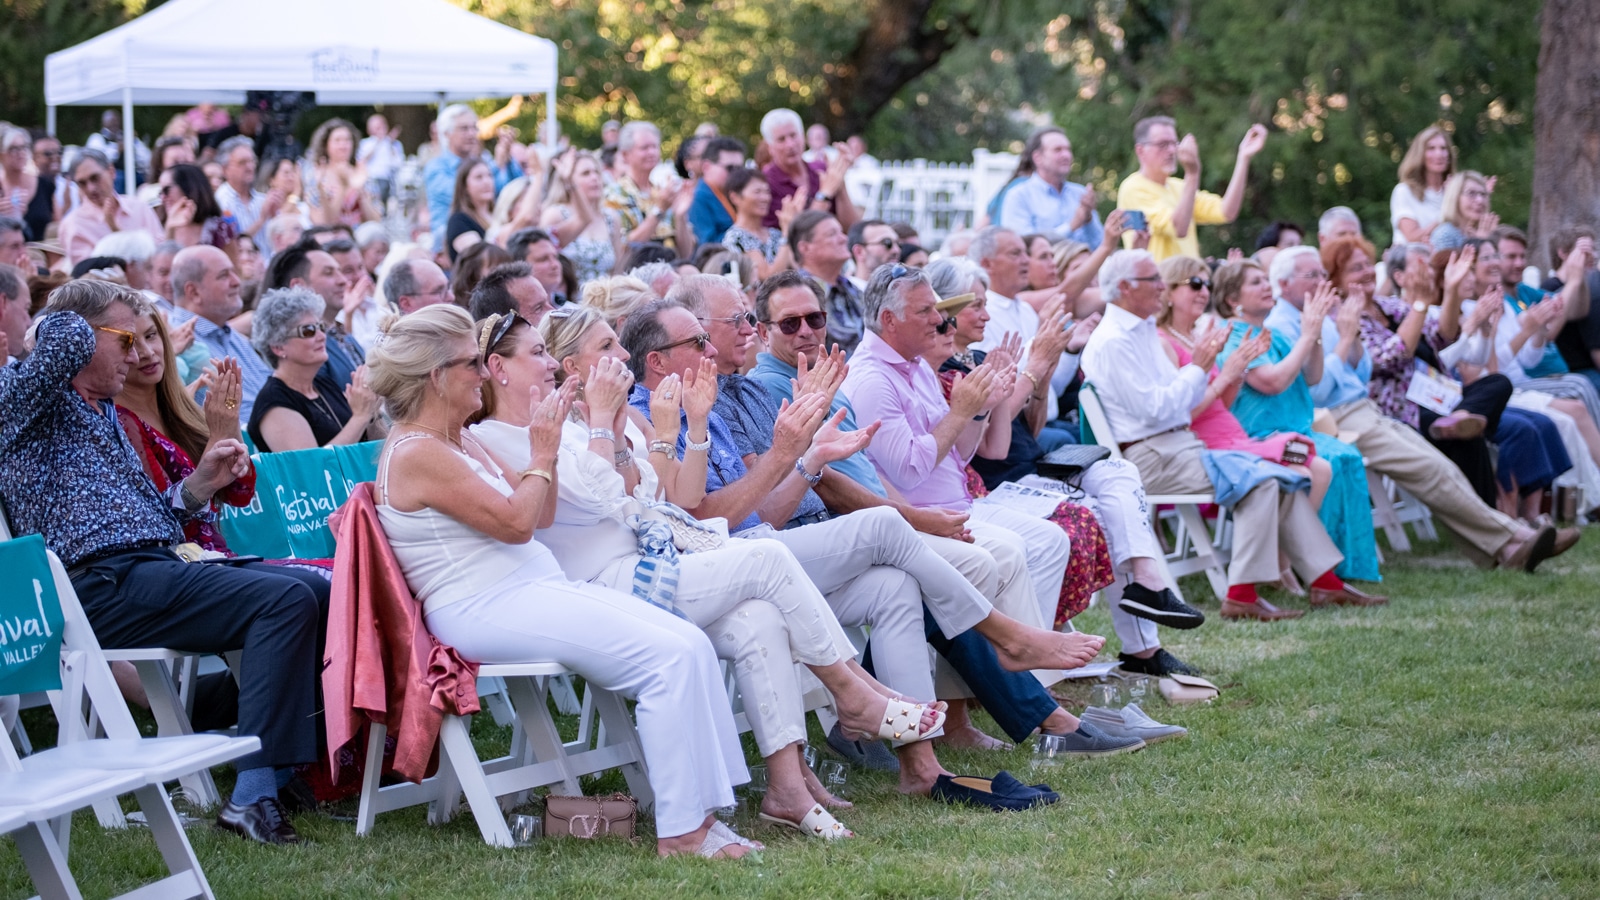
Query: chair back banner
(296,492)
(30,619)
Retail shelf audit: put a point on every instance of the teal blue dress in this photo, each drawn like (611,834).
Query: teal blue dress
(1347,509)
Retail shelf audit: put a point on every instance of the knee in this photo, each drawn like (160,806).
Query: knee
(884,524)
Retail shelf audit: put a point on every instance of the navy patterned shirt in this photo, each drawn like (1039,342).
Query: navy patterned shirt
(724,464)
(752,416)
(67,471)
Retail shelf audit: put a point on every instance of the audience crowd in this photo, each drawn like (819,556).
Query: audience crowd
(642,415)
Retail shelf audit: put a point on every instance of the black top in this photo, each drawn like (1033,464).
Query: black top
(1578,338)
(458,224)
(1023,456)
(41,209)
(327,414)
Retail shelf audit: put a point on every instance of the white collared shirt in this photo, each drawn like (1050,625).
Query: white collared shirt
(1142,391)
(1009,315)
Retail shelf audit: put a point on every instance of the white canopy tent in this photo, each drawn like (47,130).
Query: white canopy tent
(346,51)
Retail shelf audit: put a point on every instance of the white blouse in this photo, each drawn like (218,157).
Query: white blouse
(1404,205)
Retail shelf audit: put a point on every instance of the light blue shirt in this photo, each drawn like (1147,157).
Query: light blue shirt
(1035,207)
(1340,382)
(223,341)
(773,374)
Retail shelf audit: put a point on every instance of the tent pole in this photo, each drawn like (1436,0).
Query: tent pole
(50,120)
(552,136)
(128,138)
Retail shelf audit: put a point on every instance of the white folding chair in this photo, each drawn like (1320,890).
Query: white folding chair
(1195,548)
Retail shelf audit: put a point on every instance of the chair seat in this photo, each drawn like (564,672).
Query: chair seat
(49,793)
(521,670)
(159,758)
(11,820)
(141,654)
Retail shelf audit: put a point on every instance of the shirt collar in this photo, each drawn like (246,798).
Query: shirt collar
(874,347)
(770,361)
(1124,320)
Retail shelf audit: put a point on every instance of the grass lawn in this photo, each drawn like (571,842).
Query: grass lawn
(1445,745)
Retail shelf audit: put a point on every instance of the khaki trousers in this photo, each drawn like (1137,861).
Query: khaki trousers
(1400,452)
(1264,520)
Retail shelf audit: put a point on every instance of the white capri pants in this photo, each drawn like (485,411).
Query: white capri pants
(621,644)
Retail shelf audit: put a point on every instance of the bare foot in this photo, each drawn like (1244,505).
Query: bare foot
(919,769)
(969,737)
(1035,648)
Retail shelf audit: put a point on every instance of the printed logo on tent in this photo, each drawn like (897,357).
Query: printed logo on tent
(344,65)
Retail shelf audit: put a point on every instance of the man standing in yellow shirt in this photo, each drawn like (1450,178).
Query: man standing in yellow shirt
(1173,208)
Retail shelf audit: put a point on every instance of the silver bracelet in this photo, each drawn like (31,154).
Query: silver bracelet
(691,446)
(622,458)
(602,434)
(800,466)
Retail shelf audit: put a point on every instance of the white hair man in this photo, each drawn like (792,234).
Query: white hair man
(646,212)
(820,184)
(238,196)
(458,130)
(414,283)
(1338,222)
(1173,208)
(1147,400)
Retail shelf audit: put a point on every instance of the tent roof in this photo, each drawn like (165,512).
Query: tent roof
(347,51)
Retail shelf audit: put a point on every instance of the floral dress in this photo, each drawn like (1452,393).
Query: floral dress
(745,242)
(591,257)
(1392,364)
(168,464)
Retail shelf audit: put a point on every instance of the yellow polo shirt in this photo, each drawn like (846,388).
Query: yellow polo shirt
(1158,202)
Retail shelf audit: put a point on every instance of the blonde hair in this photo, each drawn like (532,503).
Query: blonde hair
(559,190)
(1413,166)
(411,348)
(1065,253)
(1227,282)
(617,297)
(1176,270)
(563,330)
(1450,210)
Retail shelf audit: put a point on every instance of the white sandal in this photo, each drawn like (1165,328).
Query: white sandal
(902,722)
(816,823)
(720,836)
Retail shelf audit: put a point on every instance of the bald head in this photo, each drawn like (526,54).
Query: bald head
(204,283)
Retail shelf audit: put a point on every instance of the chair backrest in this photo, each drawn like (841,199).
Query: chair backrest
(296,492)
(1095,415)
(86,683)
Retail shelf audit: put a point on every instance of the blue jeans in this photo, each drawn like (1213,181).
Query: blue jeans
(1051,436)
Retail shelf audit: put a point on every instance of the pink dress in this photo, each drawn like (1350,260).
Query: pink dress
(1217,428)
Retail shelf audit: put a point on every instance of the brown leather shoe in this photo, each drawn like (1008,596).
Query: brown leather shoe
(1533,551)
(1458,426)
(1565,538)
(1260,610)
(1346,596)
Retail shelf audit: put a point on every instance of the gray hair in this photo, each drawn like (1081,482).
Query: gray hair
(649,272)
(13,283)
(369,233)
(986,242)
(90,299)
(1282,268)
(400,282)
(187,268)
(694,293)
(643,334)
(450,113)
(238,141)
(9,224)
(1119,268)
(88,155)
(1338,214)
(630,133)
(278,225)
(888,292)
(134,245)
(276,315)
(954,275)
(776,117)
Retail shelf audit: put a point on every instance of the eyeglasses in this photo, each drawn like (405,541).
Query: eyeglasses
(1159,145)
(1143,278)
(49,154)
(125,338)
(474,362)
(747,318)
(945,326)
(885,243)
(1314,275)
(816,321)
(1195,283)
(310,329)
(700,342)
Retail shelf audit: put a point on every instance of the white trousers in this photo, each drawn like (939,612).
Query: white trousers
(1116,494)
(875,570)
(1047,549)
(760,610)
(625,645)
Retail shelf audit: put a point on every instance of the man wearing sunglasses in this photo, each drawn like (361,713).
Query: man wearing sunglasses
(206,288)
(873,243)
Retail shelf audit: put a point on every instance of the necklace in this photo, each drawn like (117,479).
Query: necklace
(1185,340)
(442,435)
(327,407)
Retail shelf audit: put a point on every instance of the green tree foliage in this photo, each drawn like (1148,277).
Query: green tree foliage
(30,30)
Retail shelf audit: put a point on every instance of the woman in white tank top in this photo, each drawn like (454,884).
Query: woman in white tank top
(462,532)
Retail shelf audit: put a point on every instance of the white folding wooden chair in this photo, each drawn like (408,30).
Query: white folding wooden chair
(1393,508)
(1195,547)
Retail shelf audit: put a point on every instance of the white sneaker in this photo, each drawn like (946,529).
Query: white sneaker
(1131,721)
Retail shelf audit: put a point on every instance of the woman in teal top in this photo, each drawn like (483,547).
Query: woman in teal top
(1276,398)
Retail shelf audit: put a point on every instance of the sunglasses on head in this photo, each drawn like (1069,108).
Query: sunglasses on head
(500,329)
(310,329)
(699,340)
(816,321)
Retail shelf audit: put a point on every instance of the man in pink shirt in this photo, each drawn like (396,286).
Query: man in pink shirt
(101,211)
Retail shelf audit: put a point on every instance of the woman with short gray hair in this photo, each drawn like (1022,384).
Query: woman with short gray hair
(301,406)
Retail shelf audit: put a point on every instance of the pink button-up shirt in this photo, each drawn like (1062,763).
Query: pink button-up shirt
(905,396)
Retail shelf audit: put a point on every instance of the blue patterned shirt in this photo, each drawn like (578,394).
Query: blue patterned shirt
(724,464)
(67,471)
(751,416)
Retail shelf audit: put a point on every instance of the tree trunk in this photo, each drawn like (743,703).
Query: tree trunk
(898,44)
(1566,119)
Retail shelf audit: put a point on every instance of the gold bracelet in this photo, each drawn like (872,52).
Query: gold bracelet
(542,473)
(1029,375)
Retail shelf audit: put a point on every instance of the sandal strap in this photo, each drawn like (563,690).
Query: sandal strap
(820,823)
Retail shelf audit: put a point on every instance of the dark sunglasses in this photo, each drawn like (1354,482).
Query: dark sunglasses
(699,340)
(474,362)
(945,326)
(747,318)
(816,321)
(310,329)
(885,243)
(1195,283)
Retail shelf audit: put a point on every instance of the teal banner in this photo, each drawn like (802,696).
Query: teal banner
(30,619)
(296,492)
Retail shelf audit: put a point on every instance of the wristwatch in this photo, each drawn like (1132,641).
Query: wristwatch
(1419,306)
(824,196)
